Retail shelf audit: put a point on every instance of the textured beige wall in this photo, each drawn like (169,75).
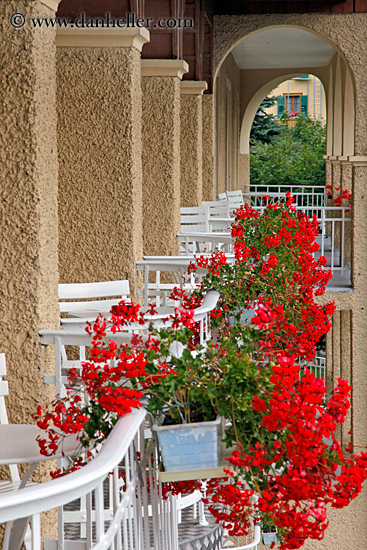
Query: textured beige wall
(191,150)
(348,527)
(209,183)
(28,215)
(227,92)
(100,185)
(161,164)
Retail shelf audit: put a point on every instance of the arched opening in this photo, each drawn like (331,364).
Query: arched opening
(256,65)
(287,136)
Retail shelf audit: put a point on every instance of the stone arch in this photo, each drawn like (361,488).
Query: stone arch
(335,30)
(233,30)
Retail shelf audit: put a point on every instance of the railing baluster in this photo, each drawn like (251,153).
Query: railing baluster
(99,511)
(60,534)
(89,524)
(115,503)
(136,509)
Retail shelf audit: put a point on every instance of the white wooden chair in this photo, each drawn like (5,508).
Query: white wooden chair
(217,208)
(80,340)
(84,296)
(21,448)
(220,215)
(235,199)
(200,242)
(194,218)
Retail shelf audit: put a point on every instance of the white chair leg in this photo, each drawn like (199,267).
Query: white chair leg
(35,532)
(17,532)
(202,519)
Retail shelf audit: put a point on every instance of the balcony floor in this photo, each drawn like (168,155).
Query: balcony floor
(341,281)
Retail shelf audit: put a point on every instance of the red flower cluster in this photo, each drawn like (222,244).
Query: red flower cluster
(346,195)
(302,470)
(105,378)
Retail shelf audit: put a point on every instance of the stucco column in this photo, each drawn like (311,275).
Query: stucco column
(244,172)
(328,171)
(359,316)
(192,142)
(335,175)
(209,183)
(161,154)
(28,206)
(99,132)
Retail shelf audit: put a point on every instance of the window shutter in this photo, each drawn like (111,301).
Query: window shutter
(280,107)
(304,105)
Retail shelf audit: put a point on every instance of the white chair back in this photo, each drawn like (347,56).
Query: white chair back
(217,208)
(84,296)
(4,392)
(194,218)
(235,199)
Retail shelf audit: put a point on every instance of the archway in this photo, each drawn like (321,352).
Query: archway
(256,64)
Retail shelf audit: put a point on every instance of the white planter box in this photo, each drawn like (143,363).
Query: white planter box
(269,538)
(189,446)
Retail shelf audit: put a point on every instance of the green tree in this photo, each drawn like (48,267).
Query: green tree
(294,157)
(265,126)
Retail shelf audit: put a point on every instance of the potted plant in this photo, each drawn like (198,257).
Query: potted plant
(269,531)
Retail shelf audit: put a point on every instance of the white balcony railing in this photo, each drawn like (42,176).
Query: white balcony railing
(135,517)
(115,502)
(317,366)
(304,195)
(334,240)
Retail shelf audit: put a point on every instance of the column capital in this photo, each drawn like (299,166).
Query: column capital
(53,4)
(102,37)
(164,67)
(193,87)
(358,160)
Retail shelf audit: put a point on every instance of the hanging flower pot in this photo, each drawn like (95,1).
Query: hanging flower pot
(269,538)
(189,446)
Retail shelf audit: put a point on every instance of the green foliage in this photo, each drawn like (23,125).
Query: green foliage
(295,157)
(265,126)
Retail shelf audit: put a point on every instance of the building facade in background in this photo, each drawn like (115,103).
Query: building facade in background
(300,95)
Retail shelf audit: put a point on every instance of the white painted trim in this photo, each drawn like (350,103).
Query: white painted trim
(53,4)
(193,87)
(102,38)
(164,67)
